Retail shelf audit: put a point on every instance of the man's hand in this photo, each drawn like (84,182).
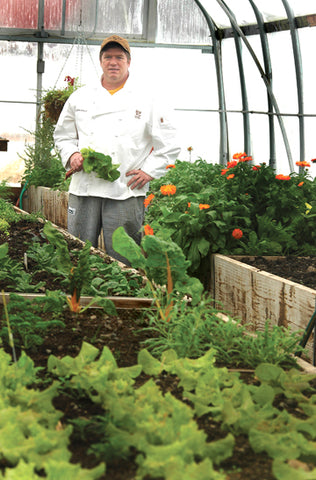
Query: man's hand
(76,161)
(139,178)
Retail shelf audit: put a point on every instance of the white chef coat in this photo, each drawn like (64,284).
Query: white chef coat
(126,126)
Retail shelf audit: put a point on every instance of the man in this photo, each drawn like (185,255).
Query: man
(125,121)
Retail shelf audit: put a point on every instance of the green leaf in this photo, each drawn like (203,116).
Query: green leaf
(149,364)
(128,248)
(68,365)
(203,246)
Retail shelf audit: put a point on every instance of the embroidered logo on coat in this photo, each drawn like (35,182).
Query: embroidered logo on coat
(138,114)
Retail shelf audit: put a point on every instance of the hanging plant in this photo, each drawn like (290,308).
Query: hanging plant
(54,100)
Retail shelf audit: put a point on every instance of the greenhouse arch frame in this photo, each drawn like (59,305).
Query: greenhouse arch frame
(190,24)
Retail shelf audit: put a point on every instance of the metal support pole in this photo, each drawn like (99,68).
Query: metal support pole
(268,71)
(299,76)
(265,79)
(224,146)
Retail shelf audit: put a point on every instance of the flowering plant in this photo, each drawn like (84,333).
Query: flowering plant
(243,209)
(54,99)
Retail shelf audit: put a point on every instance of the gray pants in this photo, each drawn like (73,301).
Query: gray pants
(88,215)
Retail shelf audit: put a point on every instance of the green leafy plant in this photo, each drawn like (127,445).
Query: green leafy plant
(163,263)
(76,276)
(54,99)
(27,327)
(43,165)
(100,164)
(238,210)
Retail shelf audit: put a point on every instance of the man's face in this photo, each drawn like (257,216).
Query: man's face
(114,64)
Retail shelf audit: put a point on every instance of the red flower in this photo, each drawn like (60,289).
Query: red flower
(256,167)
(229,177)
(232,164)
(70,80)
(300,184)
(170,166)
(282,177)
(224,171)
(148,230)
(204,206)
(237,233)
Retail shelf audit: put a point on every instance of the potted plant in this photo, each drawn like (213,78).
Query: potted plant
(54,99)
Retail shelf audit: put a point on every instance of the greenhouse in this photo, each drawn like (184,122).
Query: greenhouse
(157,239)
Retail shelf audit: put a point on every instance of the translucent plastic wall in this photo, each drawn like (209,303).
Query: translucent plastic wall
(186,74)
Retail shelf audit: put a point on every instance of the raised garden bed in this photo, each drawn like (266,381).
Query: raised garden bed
(254,295)
(151,420)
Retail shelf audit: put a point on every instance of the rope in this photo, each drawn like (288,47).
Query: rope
(80,42)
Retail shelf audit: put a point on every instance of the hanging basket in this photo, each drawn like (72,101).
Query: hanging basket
(55,99)
(53,107)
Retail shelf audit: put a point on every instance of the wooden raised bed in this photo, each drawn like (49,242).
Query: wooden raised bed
(254,296)
(243,291)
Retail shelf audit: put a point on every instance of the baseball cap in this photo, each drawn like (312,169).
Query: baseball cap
(116,39)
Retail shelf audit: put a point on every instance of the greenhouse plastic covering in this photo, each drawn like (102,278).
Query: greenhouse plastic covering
(239,73)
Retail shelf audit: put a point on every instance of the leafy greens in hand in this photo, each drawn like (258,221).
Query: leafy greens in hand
(100,164)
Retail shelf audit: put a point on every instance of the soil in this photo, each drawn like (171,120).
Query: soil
(300,270)
(123,334)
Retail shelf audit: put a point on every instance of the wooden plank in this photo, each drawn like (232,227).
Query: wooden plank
(53,204)
(134,303)
(254,296)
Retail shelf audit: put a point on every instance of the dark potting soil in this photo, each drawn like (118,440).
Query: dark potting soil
(300,270)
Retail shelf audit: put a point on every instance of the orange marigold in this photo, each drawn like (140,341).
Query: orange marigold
(300,184)
(148,199)
(204,206)
(282,177)
(237,233)
(224,171)
(170,166)
(189,204)
(168,189)
(232,164)
(256,167)
(303,164)
(237,156)
(148,230)
(229,177)
(245,159)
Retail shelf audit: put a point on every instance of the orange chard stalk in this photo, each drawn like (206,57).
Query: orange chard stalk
(74,303)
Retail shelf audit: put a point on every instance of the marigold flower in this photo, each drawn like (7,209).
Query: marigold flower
(189,204)
(170,166)
(148,199)
(168,189)
(256,167)
(245,159)
(232,164)
(282,177)
(237,156)
(224,171)
(303,164)
(237,233)
(148,230)
(300,184)
(229,177)
(204,206)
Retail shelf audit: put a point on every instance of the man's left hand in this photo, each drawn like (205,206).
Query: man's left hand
(139,178)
